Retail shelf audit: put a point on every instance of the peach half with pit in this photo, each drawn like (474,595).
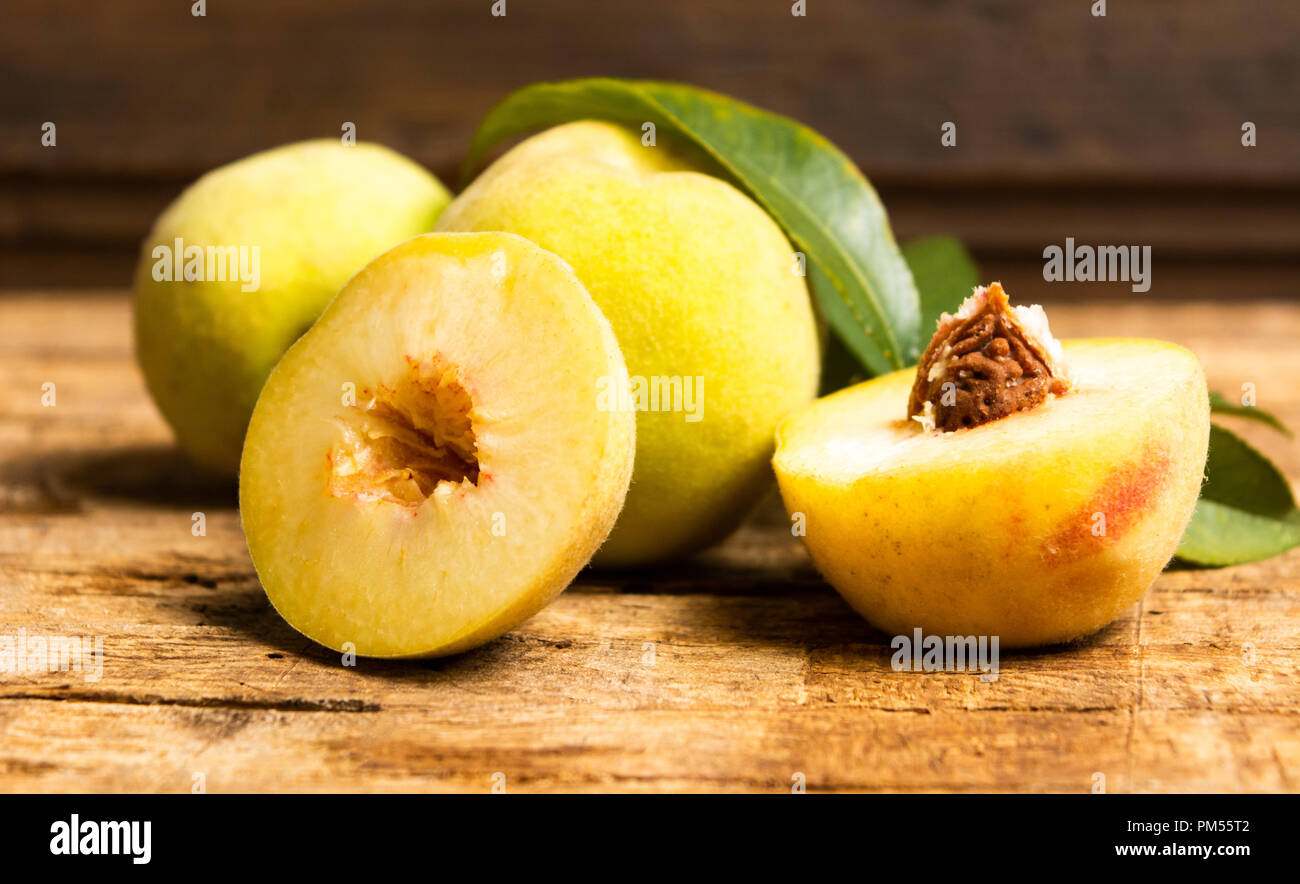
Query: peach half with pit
(1011,486)
(431,463)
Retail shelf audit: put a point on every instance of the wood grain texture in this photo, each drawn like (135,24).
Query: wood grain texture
(758,671)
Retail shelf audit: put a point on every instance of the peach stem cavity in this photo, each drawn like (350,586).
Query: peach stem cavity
(402,441)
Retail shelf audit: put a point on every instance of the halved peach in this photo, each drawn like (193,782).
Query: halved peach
(1040,526)
(431,463)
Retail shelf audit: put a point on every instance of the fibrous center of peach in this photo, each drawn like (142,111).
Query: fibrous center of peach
(399,442)
(985,362)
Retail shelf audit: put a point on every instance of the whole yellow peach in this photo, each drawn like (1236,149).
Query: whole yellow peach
(706,299)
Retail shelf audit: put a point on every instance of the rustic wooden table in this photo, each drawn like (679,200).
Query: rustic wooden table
(738,672)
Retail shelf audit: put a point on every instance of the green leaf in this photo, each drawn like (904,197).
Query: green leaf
(1223,405)
(945,275)
(1246,511)
(812,190)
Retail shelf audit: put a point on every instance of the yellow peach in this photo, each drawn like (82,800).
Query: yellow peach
(430,464)
(1038,527)
(701,288)
(244,261)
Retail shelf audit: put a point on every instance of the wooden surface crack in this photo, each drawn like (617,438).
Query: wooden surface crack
(295,704)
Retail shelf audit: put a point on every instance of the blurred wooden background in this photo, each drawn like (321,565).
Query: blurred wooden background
(1117,130)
